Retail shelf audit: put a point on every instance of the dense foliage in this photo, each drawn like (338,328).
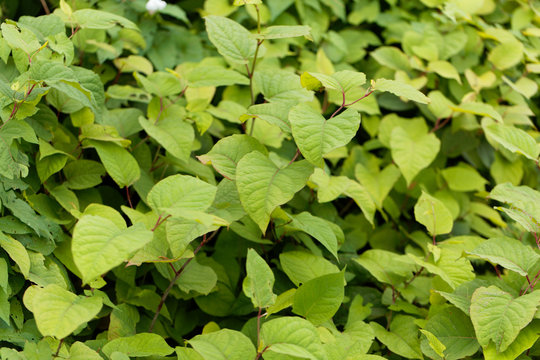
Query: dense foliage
(276,179)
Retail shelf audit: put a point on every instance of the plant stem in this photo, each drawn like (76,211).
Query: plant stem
(251,71)
(45,7)
(258,331)
(58,348)
(294,157)
(128,197)
(177,276)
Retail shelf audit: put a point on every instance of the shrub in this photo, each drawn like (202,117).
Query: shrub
(269,179)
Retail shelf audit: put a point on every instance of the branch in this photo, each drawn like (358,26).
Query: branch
(177,276)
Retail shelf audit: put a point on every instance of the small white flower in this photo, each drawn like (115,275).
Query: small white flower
(155,5)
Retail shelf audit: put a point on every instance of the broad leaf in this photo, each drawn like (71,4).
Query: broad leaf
(319,228)
(180,194)
(142,344)
(263,186)
(498,317)
(291,336)
(99,244)
(224,345)
(319,299)
(259,282)
(316,136)
(118,162)
(513,139)
(413,153)
(433,214)
(509,253)
(227,152)
(399,88)
(59,312)
(231,39)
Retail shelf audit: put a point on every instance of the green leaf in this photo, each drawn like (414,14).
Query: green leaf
(477,108)
(263,186)
(413,153)
(302,266)
(79,351)
(259,282)
(161,83)
(433,214)
(285,31)
(281,86)
(118,162)
(444,69)
(210,75)
(96,19)
(319,299)
(173,133)
(523,202)
(180,194)
(59,312)
(291,336)
(142,344)
(509,253)
(513,139)
(331,187)
(224,344)
(434,343)
(463,178)
(506,55)
(99,244)
(275,113)
(83,174)
(391,57)
(318,228)
(455,331)
(316,136)
(525,340)
(402,338)
(386,266)
(24,40)
(399,88)
(231,39)
(498,317)
(227,152)
(181,232)
(17,252)
(379,184)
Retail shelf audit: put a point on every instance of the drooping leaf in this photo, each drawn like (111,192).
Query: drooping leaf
(301,266)
(173,133)
(513,139)
(402,338)
(118,162)
(319,228)
(399,88)
(509,253)
(433,214)
(259,281)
